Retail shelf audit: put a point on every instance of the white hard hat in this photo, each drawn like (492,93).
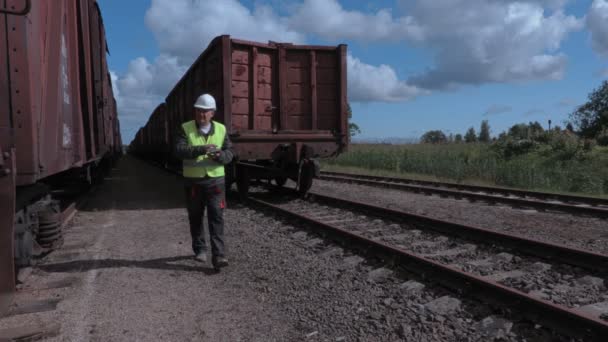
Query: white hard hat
(205,101)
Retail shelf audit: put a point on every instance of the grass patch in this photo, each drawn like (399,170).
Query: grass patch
(540,169)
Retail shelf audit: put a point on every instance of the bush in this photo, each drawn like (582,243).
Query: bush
(602,137)
(509,148)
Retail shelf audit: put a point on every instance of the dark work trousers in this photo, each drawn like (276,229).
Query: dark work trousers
(212,197)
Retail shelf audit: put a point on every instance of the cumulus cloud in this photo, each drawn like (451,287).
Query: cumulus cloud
(377,83)
(328,19)
(145,85)
(474,41)
(479,41)
(183,28)
(497,109)
(597,23)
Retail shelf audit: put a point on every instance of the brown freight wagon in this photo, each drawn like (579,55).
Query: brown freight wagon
(283,105)
(58,118)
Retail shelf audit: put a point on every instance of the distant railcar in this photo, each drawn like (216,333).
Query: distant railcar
(284,105)
(58,121)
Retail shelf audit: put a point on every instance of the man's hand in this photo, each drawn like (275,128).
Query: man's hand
(214,155)
(206,149)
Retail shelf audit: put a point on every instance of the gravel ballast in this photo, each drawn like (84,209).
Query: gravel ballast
(586,233)
(129,254)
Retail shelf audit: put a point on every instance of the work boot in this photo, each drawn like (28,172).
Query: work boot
(202,257)
(219,262)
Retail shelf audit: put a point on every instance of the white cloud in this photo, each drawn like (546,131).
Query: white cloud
(184,28)
(143,87)
(114,80)
(328,19)
(479,41)
(377,83)
(497,109)
(474,41)
(597,23)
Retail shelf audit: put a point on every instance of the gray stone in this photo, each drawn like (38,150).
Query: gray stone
(539,267)
(313,242)
(540,294)
(404,331)
(494,327)
(396,237)
(443,306)
(426,244)
(594,310)
(412,286)
(503,257)
(442,239)
(309,335)
(379,275)
(353,260)
(451,252)
(506,275)
(23,274)
(332,251)
(299,235)
(341,338)
(590,281)
(482,263)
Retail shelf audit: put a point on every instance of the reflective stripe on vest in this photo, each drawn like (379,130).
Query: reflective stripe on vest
(203,166)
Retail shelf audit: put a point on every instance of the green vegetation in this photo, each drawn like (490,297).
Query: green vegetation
(571,169)
(571,160)
(591,119)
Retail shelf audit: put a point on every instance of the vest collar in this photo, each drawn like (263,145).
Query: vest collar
(211,130)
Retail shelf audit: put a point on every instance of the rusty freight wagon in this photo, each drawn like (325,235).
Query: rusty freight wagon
(58,122)
(284,105)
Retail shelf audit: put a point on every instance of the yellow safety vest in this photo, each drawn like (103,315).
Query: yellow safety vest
(203,166)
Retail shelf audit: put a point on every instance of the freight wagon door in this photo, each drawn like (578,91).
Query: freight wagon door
(255,88)
(309,83)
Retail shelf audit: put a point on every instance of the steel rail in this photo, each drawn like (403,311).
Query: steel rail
(556,316)
(468,192)
(540,249)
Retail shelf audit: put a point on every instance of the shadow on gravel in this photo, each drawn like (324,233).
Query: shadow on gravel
(168,264)
(136,185)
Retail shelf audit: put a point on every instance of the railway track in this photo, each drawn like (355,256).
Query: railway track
(549,284)
(581,205)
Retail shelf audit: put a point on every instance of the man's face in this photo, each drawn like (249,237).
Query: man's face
(203,116)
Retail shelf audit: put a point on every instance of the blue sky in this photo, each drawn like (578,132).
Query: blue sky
(413,65)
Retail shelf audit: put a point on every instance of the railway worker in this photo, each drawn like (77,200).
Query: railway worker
(205,148)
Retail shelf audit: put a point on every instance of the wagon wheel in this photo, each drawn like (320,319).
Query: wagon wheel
(280,181)
(242,181)
(307,173)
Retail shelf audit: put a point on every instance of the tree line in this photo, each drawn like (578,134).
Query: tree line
(588,122)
